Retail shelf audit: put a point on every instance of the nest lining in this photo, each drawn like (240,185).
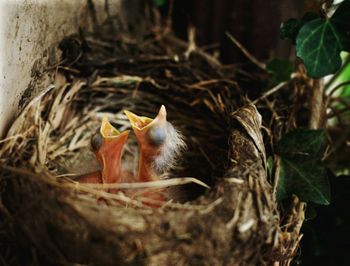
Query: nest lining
(235,222)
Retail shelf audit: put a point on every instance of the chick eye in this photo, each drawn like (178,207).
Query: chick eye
(96,141)
(156,135)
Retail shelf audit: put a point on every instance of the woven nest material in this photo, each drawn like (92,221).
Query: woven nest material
(51,219)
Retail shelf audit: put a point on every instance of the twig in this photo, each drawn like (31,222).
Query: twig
(169,21)
(271,91)
(191,42)
(252,58)
(212,206)
(151,184)
(209,58)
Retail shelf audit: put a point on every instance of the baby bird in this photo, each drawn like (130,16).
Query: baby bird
(108,146)
(159,143)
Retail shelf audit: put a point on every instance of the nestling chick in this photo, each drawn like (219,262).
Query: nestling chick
(159,143)
(108,146)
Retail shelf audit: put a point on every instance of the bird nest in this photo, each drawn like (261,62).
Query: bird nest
(50,218)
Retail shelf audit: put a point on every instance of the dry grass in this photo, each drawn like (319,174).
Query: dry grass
(235,221)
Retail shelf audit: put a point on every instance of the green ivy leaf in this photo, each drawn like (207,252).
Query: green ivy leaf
(309,16)
(303,142)
(320,41)
(318,44)
(290,28)
(280,69)
(304,177)
(341,20)
(301,171)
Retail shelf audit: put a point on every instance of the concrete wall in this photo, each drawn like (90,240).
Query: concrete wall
(29,33)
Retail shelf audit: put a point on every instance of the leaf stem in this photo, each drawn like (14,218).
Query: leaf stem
(317,105)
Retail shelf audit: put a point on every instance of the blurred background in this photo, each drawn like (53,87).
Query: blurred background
(254,23)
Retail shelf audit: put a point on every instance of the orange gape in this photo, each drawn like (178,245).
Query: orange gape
(158,142)
(152,140)
(150,148)
(108,145)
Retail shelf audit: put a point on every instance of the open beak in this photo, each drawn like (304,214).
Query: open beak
(142,123)
(110,150)
(108,146)
(145,129)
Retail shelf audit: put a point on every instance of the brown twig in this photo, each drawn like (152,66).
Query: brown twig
(252,58)
(270,92)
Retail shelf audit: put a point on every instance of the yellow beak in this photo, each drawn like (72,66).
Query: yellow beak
(109,150)
(141,123)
